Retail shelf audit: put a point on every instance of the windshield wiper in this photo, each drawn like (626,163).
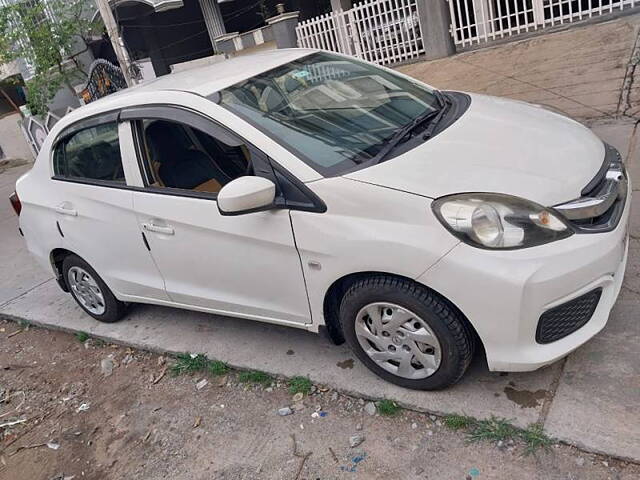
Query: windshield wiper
(446,103)
(433,116)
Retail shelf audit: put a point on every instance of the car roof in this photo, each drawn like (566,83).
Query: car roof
(202,81)
(217,76)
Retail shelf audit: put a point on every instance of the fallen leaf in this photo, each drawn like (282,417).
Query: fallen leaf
(196,424)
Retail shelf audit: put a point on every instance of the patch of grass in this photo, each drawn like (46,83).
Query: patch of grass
(535,438)
(255,376)
(186,363)
(217,367)
(493,429)
(388,408)
(189,363)
(300,385)
(458,422)
(496,429)
(81,336)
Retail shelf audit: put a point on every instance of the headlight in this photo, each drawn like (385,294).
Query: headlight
(497,221)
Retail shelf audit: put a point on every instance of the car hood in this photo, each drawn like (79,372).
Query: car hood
(501,146)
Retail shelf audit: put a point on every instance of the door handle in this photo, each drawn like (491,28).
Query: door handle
(66,211)
(166,230)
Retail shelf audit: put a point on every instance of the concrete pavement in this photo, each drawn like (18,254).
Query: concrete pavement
(590,401)
(585,71)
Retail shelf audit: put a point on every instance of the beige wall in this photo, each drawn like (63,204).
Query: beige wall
(12,141)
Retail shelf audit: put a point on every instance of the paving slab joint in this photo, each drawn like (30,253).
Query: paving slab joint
(546,403)
(624,102)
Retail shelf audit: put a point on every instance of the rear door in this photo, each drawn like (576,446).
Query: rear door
(93,207)
(245,265)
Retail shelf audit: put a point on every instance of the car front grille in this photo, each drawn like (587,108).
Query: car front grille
(602,203)
(563,320)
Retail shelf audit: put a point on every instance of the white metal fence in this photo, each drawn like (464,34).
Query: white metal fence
(477,21)
(381,31)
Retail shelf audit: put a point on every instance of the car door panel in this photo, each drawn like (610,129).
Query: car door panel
(244,265)
(99,224)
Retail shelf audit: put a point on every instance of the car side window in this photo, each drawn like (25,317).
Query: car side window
(92,153)
(178,156)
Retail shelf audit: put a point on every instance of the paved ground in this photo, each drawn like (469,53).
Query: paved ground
(580,71)
(133,428)
(590,400)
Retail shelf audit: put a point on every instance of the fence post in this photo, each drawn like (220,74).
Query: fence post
(435,24)
(284,29)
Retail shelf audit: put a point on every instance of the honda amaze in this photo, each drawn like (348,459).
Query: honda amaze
(314,190)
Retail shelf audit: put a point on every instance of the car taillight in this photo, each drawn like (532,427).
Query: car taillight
(15,203)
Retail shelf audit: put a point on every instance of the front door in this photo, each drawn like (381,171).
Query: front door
(245,265)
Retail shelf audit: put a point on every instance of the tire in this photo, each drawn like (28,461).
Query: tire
(81,277)
(445,356)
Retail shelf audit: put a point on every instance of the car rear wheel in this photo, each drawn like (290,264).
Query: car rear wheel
(90,291)
(406,333)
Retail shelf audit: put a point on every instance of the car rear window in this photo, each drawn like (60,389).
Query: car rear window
(90,154)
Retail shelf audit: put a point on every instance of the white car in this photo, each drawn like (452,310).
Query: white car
(314,190)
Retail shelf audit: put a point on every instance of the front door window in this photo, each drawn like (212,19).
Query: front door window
(178,156)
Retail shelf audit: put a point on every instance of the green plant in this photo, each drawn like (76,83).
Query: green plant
(300,385)
(496,429)
(47,35)
(388,408)
(255,376)
(535,438)
(187,363)
(217,367)
(82,336)
(458,422)
(191,363)
(492,429)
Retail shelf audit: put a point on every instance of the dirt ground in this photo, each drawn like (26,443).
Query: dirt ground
(132,424)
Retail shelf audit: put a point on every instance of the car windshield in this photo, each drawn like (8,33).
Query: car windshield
(333,112)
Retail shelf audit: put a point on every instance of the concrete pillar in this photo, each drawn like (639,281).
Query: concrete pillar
(284,29)
(341,5)
(435,22)
(213,20)
(228,43)
(160,65)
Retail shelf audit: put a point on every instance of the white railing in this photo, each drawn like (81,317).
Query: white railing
(381,31)
(478,21)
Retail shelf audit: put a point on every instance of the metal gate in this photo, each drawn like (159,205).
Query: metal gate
(381,31)
(104,78)
(478,21)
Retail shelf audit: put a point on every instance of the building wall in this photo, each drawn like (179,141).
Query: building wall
(12,140)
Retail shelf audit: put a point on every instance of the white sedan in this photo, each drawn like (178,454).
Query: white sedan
(314,190)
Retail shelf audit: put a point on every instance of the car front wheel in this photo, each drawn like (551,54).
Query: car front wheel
(90,291)
(406,333)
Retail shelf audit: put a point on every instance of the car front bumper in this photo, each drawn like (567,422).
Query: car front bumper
(504,293)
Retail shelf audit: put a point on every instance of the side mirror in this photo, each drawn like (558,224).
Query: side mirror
(246,195)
